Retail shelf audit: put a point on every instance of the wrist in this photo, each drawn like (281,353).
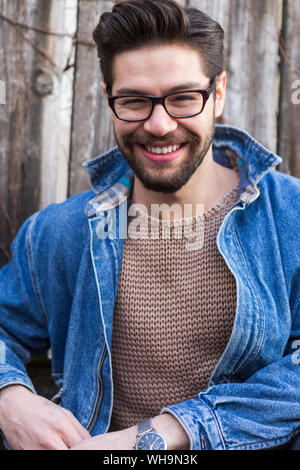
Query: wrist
(10,392)
(173,432)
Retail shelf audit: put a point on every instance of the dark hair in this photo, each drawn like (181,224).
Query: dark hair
(137,23)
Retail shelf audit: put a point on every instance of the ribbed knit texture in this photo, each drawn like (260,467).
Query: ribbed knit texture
(173,318)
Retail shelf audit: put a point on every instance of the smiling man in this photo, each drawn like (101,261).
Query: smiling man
(157,344)
(171,156)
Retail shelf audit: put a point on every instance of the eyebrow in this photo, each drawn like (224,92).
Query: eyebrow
(183,86)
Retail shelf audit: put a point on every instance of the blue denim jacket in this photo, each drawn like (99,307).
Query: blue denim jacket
(60,288)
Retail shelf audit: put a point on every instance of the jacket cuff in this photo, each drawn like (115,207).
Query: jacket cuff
(12,376)
(200,423)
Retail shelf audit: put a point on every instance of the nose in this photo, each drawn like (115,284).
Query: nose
(160,123)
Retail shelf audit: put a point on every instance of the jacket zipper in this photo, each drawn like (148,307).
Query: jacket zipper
(93,422)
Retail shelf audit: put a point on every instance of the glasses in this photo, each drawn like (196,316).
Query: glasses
(178,104)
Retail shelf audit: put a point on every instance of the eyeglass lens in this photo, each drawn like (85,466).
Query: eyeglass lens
(178,105)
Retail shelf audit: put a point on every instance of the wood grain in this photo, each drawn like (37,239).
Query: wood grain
(91,131)
(289,115)
(35,121)
(251,60)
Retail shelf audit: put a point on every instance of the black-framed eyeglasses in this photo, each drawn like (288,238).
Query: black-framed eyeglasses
(178,104)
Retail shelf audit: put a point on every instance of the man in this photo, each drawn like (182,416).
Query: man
(198,330)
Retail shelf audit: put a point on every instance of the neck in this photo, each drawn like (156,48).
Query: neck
(206,187)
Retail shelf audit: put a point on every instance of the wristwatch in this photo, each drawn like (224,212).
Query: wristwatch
(148,438)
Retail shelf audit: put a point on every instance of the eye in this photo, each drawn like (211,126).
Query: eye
(132,101)
(183,98)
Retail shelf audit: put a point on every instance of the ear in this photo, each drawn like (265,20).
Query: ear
(220,94)
(103,87)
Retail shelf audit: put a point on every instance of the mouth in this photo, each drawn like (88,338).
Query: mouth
(159,150)
(163,152)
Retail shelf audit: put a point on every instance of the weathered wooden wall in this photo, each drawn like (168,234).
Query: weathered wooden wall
(289,104)
(35,120)
(54,117)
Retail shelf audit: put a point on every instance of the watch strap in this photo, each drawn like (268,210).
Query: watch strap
(144,426)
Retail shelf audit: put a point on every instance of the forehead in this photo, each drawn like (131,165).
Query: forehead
(156,69)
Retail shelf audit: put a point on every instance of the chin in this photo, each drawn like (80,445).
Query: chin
(163,185)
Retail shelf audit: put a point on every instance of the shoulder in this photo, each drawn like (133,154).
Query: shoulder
(282,190)
(61,223)
(278,179)
(278,207)
(67,212)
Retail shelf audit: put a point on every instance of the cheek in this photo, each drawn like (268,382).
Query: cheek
(123,128)
(206,120)
(195,125)
(202,123)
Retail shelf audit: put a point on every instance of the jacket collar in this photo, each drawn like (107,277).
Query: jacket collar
(111,177)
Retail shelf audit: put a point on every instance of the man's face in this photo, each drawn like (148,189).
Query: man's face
(158,71)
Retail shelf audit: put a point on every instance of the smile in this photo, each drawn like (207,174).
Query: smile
(162,153)
(162,150)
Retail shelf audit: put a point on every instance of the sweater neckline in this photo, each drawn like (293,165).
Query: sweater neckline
(225,201)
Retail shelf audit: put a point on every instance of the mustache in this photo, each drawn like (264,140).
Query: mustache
(168,139)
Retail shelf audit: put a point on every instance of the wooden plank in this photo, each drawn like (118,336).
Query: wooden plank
(36,118)
(92,131)
(289,115)
(57,106)
(20,117)
(251,52)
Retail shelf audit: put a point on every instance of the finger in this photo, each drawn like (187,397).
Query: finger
(71,436)
(81,430)
(58,444)
(48,441)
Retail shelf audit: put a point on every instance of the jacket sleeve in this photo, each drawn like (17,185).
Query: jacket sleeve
(260,413)
(23,323)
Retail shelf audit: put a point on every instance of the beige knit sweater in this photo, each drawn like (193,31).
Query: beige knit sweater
(173,317)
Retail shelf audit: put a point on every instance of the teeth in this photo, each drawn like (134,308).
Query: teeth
(163,150)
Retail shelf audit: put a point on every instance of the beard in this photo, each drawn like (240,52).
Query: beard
(166,179)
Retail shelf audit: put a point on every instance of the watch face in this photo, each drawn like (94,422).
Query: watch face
(151,441)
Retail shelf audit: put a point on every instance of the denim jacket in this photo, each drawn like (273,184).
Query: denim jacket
(60,288)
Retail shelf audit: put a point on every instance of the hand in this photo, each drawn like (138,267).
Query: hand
(31,422)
